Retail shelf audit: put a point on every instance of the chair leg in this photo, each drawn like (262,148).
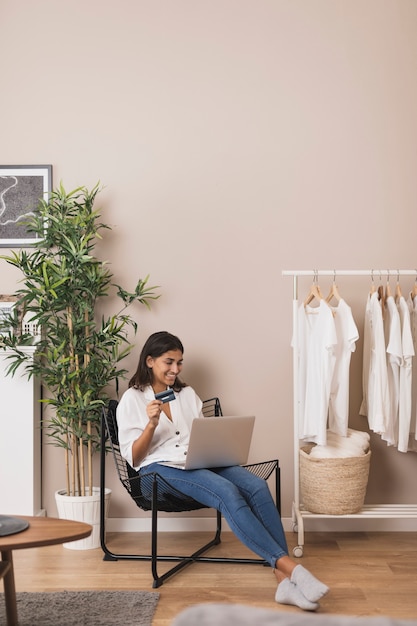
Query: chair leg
(154,535)
(108,555)
(183,561)
(278,488)
(153,556)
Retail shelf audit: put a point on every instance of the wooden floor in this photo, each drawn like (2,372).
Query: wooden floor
(368,573)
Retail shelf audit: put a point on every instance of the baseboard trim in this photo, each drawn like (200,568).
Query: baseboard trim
(195,524)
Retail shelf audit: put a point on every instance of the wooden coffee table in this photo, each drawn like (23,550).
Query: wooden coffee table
(42,531)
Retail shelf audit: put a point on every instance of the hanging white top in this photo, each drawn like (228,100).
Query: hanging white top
(316,353)
(347,334)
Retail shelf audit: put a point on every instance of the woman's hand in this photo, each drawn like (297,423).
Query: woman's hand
(153,410)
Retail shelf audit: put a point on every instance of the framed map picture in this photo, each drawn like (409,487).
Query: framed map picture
(21,189)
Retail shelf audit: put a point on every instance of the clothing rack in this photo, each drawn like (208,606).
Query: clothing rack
(374,511)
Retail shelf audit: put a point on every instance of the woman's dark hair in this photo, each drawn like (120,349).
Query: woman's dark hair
(156,345)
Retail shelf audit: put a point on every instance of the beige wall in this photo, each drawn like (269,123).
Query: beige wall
(234,139)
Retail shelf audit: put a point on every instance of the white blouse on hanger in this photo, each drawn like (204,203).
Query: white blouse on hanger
(317,341)
(404,415)
(412,305)
(392,329)
(347,335)
(375,402)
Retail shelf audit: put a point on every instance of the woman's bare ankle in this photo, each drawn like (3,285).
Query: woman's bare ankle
(285,567)
(279,575)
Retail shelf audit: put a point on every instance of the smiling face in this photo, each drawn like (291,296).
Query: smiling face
(165,369)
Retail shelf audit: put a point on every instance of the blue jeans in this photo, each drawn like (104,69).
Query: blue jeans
(243,499)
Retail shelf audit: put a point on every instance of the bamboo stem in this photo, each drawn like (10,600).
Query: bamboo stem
(89,445)
(67,469)
(75,458)
(80,453)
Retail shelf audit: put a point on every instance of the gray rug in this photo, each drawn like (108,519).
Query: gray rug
(84,608)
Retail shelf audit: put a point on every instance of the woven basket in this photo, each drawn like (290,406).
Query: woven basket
(333,486)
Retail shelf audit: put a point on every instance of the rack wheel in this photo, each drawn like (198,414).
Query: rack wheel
(298,551)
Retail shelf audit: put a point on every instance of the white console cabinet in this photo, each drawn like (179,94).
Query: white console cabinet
(20,441)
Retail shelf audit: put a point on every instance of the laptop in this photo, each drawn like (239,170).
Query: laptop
(217,442)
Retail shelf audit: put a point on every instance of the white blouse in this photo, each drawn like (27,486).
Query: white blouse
(170,440)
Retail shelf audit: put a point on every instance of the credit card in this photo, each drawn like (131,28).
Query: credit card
(165,396)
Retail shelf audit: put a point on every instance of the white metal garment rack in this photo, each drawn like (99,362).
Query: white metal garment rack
(375,511)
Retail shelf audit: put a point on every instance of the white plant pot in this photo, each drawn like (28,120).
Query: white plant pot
(83,509)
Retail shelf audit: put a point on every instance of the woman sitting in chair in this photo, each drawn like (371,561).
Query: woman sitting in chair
(152,432)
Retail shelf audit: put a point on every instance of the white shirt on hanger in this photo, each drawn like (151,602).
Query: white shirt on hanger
(404,414)
(412,305)
(316,353)
(347,334)
(392,329)
(375,402)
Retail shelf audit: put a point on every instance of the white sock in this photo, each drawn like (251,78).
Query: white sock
(288,593)
(309,585)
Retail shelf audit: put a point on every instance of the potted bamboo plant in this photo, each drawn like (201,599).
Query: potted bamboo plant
(79,348)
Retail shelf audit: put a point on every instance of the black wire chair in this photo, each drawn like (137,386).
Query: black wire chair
(151,492)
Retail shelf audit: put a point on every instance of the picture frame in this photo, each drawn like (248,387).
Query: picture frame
(21,189)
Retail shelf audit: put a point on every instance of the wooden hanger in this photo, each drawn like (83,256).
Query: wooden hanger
(373,288)
(313,293)
(334,292)
(388,293)
(398,292)
(314,290)
(381,297)
(414,290)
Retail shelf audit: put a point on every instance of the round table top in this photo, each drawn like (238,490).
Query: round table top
(45,531)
